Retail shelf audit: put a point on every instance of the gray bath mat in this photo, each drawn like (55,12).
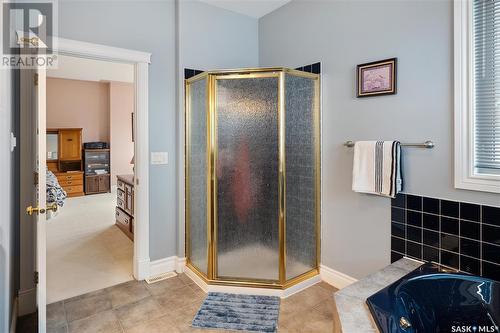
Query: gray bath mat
(238,312)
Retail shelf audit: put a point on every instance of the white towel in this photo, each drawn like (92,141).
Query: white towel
(377,168)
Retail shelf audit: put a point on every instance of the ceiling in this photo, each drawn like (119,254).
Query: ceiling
(252,8)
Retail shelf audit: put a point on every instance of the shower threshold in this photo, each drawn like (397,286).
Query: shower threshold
(252,263)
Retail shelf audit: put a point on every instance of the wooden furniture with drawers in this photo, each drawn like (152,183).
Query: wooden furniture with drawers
(125,204)
(64,158)
(71,182)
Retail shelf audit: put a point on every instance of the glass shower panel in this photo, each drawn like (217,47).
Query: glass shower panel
(247,178)
(300,175)
(197,170)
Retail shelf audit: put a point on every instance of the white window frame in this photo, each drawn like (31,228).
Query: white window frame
(466,176)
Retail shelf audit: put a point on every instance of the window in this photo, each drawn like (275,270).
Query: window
(477,95)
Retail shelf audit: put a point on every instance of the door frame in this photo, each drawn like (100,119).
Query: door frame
(141,61)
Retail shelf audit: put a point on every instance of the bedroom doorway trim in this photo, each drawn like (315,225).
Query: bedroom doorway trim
(141,61)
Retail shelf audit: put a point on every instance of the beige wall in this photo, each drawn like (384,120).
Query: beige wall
(121,106)
(102,109)
(79,104)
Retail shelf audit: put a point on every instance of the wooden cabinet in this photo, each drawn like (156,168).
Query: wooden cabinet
(70,144)
(97,168)
(125,204)
(65,149)
(97,184)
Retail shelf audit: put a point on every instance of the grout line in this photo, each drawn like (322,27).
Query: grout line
(447,233)
(443,249)
(446,199)
(481,243)
(447,216)
(459,241)
(406,222)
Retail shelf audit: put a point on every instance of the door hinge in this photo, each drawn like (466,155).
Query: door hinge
(35,277)
(36,79)
(35,178)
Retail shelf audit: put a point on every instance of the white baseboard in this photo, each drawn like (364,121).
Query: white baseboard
(180,265)
(160,266)
(335,278)
(26,301)
(13,320)
(166,265)
(142,269)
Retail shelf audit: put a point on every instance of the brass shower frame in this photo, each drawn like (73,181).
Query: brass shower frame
(212,150)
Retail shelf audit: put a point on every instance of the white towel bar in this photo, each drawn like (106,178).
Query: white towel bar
(427,144)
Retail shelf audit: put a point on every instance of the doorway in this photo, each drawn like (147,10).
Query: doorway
(32,295)
(90,176)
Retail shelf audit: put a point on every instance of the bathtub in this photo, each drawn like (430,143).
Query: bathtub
(432,299)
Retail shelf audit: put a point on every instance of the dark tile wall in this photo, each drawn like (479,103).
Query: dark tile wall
(189,73)
(459,235)
(313,68)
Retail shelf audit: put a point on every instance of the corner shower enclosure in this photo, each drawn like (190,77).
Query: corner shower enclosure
(253,176)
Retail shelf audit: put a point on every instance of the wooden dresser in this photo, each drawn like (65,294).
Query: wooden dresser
(125,204)
(71,182)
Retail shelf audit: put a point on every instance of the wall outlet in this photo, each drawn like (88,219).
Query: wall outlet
(159,158)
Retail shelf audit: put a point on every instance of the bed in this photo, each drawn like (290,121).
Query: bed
(55,192)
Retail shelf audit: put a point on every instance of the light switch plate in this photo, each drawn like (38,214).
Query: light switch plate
(159,158)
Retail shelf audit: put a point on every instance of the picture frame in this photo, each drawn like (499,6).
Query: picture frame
(377,78)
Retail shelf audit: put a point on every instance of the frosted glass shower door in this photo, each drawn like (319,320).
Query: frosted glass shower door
(302,174)
(197,164)
(247,177)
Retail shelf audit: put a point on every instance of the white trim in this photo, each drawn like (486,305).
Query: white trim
(165,265)
(162,266)
(465,176)
(180,265)
(141,61)
(141,231)
(13,319)
(335,278)
(98,51)
(300,286)
(282,293)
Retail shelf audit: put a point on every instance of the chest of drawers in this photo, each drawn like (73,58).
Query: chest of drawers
(71,182)
(125,204)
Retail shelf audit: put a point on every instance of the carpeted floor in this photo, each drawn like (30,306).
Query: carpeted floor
(239,312)
(85,250)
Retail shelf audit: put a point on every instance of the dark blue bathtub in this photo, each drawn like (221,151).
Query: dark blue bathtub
(430,299)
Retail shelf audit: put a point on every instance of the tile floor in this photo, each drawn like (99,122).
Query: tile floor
(169,307)
(85,250)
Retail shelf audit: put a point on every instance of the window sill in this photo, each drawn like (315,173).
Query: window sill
(479,183)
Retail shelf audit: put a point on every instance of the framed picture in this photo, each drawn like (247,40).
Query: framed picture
(377,78)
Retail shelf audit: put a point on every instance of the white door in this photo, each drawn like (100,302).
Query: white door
(33,174)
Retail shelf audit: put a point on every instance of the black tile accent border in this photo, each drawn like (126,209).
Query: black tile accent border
(456,234)
(312,68)
(189,73)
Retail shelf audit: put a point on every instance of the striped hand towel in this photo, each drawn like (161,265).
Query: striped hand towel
(377,168)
